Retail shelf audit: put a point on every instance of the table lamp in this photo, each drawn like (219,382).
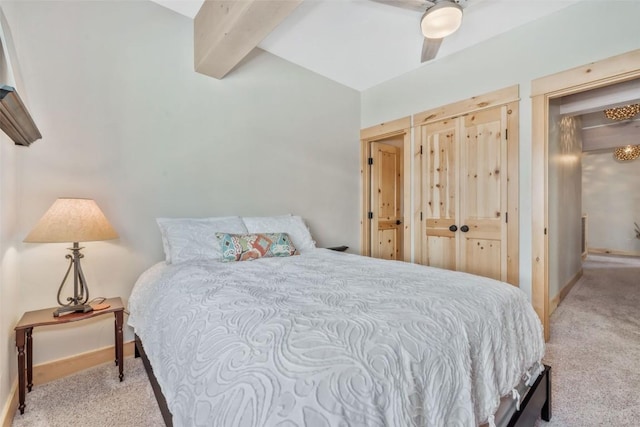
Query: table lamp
(72,221)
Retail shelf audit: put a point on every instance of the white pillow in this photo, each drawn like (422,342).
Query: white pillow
(189,239)
(294,226)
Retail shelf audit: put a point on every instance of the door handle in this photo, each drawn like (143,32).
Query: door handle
(453,228)
(464,228)
(398,222)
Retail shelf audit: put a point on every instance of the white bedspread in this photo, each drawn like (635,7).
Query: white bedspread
(332,339)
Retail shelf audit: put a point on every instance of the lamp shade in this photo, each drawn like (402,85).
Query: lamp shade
(72,220)
(441,20)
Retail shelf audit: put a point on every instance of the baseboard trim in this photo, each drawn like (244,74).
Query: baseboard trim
(11,406)
(612,252)
(555,301)
(62,367)
(55,369)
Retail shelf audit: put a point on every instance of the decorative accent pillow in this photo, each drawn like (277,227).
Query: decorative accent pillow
(294,226)
(244,247)
(190,239)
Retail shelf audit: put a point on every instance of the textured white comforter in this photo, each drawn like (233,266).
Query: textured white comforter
(331,339)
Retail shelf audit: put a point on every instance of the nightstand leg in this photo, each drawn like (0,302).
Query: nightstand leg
(20,338)
(29,359)
(115,332)
(119,356)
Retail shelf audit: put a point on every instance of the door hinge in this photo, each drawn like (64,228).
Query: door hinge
(545,231)
(370,161)
(506,217)
(506,134)
(420,216)
(421,150)
(370,215)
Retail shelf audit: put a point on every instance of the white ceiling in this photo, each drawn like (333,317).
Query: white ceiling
(361,43)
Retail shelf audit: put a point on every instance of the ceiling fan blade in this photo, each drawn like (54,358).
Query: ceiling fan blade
(416,5)
(430,49)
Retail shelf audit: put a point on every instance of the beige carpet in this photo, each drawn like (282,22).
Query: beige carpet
(594,349)
(594,352)
(94,397)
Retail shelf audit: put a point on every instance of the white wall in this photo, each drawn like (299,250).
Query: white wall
(611,199)
(9,278)
(125,120)
(579,34)
(9,274)
(565,199)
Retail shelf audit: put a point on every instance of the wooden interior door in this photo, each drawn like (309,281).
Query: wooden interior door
(483,193)
(440,184)
(386,201)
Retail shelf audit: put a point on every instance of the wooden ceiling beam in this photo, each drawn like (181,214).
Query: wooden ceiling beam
(226,31)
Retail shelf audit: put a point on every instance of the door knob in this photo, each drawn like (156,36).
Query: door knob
(398,222)
(464,228)
(453,228)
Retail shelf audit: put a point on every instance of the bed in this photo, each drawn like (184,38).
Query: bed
(324,338)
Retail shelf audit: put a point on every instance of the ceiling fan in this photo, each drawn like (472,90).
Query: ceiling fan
(441,18)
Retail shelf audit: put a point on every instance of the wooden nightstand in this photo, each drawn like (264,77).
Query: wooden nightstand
(32,319)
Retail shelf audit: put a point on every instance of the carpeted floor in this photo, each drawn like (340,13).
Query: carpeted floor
(594,349)
(94,397)
(594,353)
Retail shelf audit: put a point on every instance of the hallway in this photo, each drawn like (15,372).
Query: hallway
(594,349)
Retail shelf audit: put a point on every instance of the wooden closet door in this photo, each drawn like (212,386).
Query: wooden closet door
(386,201)
(440,194)
(483,193)
(465,193)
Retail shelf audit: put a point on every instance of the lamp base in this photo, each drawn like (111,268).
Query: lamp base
(80,308)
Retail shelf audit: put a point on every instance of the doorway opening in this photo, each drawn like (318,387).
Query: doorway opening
(385,170)
(546,92)
(593,196)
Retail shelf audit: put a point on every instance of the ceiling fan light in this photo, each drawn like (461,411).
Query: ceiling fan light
(441,20)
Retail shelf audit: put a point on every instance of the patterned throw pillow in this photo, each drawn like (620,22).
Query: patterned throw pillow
(243,247)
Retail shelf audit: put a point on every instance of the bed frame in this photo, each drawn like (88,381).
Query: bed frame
(537,402)
(162,402)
